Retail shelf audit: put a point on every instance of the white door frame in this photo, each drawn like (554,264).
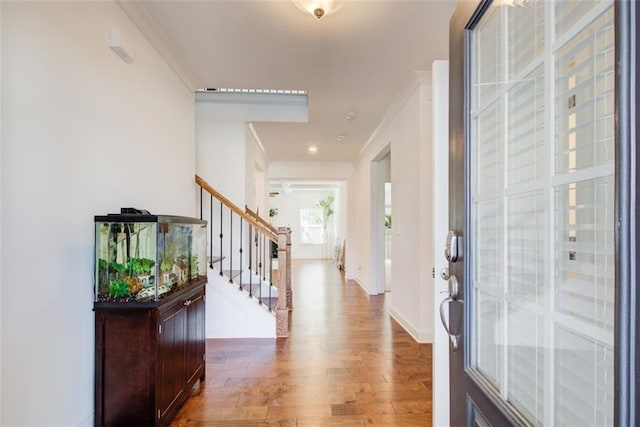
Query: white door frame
(440,206)
(377,221)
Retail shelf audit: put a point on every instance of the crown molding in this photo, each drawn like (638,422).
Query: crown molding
(150,29)
(416,79)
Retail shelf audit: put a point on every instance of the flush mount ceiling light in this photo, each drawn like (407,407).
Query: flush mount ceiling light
(313,149)
(319,8)
(350,115)
(341,137)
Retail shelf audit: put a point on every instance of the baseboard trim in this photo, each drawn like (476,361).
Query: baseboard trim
(362,285)
(421,336)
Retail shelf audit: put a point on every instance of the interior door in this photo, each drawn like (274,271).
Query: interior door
(534,255)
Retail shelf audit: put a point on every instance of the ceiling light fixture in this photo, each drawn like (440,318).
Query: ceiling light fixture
(341,137)
(350,115)
(313,149)
(319,8)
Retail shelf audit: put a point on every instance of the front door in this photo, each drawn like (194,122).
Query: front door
(537,189)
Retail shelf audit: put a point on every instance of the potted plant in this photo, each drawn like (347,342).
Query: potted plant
(326,206)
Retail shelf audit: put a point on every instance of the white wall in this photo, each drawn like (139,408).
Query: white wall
(407,129)
(340,216)
(256,173)
(1,145)
(83,134)
(330,172)
(221,153)
(232,314)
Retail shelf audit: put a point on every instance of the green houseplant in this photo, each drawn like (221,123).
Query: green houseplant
(326,206)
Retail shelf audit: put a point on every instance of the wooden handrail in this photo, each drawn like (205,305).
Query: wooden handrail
(228,203)
(261,220)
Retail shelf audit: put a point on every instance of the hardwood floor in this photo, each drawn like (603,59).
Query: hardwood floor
(346,363)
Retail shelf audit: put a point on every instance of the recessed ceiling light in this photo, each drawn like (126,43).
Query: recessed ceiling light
(350,115)
(341,137)
(313,149)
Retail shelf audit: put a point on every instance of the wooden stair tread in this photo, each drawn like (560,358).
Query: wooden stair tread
(265,301)
(215,259)
(232,274)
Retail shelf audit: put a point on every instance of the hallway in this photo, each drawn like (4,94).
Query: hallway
(346,363)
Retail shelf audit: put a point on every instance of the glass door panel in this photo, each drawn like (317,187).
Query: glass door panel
(541,265)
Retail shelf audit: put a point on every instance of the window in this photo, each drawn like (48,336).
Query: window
(311,228)
(543,264)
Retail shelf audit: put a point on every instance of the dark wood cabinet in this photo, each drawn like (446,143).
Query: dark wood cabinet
(195,347)
(148,357)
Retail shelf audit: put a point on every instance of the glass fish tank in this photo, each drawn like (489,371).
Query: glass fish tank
(141,257)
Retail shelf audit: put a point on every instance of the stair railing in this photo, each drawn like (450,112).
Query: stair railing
(244,255)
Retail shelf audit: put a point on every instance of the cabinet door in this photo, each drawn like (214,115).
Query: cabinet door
(195,338)
(124,372)
(171,359)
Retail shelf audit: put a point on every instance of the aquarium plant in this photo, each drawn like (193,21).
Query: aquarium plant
(193,265)
(119,289)
(103,271)
(166,264)
(117,267)
(141,265)
(134,284)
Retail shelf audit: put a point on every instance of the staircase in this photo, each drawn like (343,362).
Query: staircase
(250,291)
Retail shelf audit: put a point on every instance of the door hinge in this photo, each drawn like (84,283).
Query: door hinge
(433,272)
(159,329)
(204,356)
(158,413)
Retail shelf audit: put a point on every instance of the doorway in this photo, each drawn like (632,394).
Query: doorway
(381,268)
(388,221)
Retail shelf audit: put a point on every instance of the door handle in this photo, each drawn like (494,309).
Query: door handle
(453,340)
(453,297)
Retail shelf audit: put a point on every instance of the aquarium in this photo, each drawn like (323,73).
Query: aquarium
(141,257)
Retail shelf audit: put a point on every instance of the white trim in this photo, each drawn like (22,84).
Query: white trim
(415,80)
(252,98)
(334,165)
(586,174)
(422,336)
(440,212)
(257,138)
(376,231)
(569,35)
(361,283)
(150,29)
(549,219)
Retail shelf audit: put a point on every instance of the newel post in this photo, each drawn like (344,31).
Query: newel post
(284,278)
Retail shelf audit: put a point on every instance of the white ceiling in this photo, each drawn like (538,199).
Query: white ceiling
(355,60)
